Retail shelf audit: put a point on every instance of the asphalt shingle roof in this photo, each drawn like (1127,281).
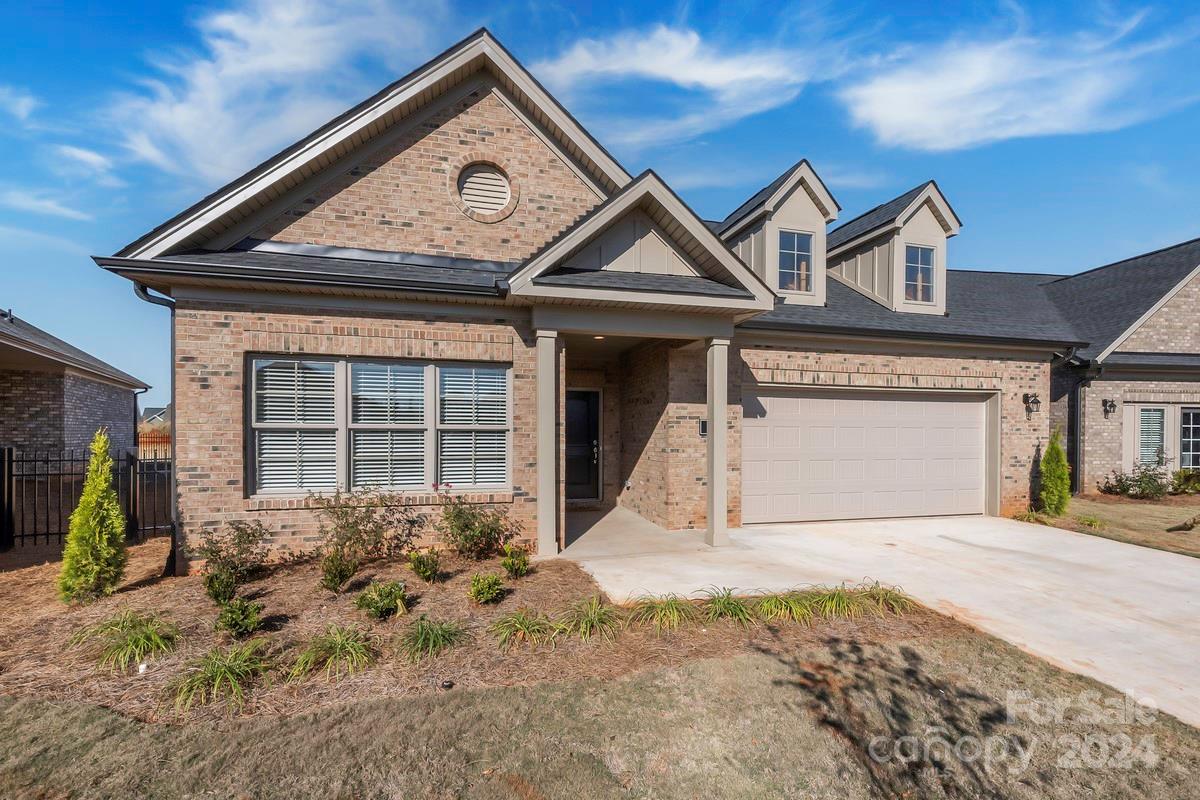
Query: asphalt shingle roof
(1104,302)
(877,217)
(640,281)
(18,331)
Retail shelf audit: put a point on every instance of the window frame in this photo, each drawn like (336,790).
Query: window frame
(812,268)
(1165,435)
(344,426)
(1184,411)
(933,267)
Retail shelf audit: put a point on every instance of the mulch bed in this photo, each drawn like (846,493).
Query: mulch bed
(37,660)
(1169,500)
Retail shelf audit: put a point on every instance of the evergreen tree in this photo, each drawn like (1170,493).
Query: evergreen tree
(94,558)
(1056,477)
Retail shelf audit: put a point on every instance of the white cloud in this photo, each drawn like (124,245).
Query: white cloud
(965,93)
(727,85)
(269,72)
(17,102)
(84,157)
(39,203)
(79,162)
(836,176)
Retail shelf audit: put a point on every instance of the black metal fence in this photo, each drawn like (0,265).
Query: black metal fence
(40,489)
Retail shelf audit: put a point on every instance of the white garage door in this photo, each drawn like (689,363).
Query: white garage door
(860,455)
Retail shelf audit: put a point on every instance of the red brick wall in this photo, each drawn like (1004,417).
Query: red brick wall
(401,197)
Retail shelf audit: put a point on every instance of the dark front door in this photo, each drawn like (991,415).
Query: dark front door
(583,444)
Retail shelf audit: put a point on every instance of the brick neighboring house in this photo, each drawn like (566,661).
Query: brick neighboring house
(454,282)
(54,396)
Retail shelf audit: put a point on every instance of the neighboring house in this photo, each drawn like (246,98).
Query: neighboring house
(454,282)
(155,417)
(1132,395)
(54,396)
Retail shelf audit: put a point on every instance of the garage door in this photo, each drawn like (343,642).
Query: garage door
(861,455)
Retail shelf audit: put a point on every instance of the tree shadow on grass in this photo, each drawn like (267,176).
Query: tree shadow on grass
(914,734)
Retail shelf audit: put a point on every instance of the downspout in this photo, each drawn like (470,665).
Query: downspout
(171,567)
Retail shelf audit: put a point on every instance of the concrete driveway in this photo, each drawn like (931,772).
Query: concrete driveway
(1125,615)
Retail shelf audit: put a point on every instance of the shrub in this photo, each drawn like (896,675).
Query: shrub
(426,565)
(515,561)
(1145,482)
(1093,523)
(130,638)
(838,601)
(590,617)
(523,627)
(339,651)
(886,599)
(1055,478)
(383,600)
(786,607)
(220,585)
(427,638)
(240,550)
(240,617)
(94,557)
(664,614)
(1185,481)
(720,603)
(221,673)
(486,589)
(473,531)
(337,567)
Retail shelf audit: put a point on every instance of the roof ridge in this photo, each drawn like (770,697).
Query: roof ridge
(884,203)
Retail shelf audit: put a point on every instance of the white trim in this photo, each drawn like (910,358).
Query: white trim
(812,266)
(815,187)
(1144,318)
(946,218)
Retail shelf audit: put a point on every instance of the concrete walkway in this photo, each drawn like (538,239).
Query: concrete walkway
(1128,616)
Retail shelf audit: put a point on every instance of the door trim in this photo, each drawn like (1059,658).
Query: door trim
(599,498)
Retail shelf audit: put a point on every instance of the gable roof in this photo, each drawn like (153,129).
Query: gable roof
(887,215)
(675,218)
(17,333)
(346,133)
(1108,303)
(770,194)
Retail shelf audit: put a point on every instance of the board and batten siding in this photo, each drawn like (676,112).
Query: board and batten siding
(868,268)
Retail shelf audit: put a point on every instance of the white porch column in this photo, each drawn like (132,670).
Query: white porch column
(718,442)
(547,443)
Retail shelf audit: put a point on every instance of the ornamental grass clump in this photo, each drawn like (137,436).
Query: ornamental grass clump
(426,638)
(785,607)
(339,651)
(221,673)
(129,639)
(383,600)
(886,599)
(721,603)
(838,602)
(665,614)
(590,617)
(94,557)
(523,626)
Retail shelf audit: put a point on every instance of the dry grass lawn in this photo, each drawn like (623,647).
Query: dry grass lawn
(713,710)
(1143,522)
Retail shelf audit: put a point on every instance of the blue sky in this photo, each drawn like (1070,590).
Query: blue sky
(1063,134)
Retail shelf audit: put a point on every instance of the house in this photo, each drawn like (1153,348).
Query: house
(54,396)
(1132,395)
(154,417)
(454,282)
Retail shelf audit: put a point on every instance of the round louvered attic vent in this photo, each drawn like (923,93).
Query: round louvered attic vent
(484,188)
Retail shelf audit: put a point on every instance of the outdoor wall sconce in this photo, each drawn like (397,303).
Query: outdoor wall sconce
(1032,404)
(1108,405)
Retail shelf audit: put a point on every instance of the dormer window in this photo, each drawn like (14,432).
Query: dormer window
(795,261)
(918,274)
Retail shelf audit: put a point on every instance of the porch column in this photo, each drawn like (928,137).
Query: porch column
(718,436)
(547,443)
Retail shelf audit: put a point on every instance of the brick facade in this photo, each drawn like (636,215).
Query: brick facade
(1174,328)
(402,197)
(56,410)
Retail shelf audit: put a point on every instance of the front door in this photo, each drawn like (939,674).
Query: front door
(583,444)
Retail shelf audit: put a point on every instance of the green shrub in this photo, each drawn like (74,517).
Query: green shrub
(786,607)
(1185,481)
(886,599)
(1145,482)
(337,567)
(838,601)
(129,639)
(339,651)
(221,673)
(1093,523)
(383,600)
(590,617)
(515,561)
(426,638)
(523,627)
(486,589)
(240,550)
(94,557)
(240,617)
(426,565)
(220,585)
(665,614)
(720,603)
(1055,491)
(473,531)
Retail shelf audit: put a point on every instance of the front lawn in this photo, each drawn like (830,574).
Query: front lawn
(1142,522)
(870,705)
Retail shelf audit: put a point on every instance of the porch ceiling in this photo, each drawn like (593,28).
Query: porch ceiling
(584,346)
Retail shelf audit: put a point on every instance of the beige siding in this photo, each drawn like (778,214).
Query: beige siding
(922,228)
(633,244)
(750,247)
(868,268)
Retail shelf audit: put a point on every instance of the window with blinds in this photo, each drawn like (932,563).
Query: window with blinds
(326,424)
(1151,438)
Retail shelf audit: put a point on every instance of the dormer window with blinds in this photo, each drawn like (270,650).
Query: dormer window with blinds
(325,424)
